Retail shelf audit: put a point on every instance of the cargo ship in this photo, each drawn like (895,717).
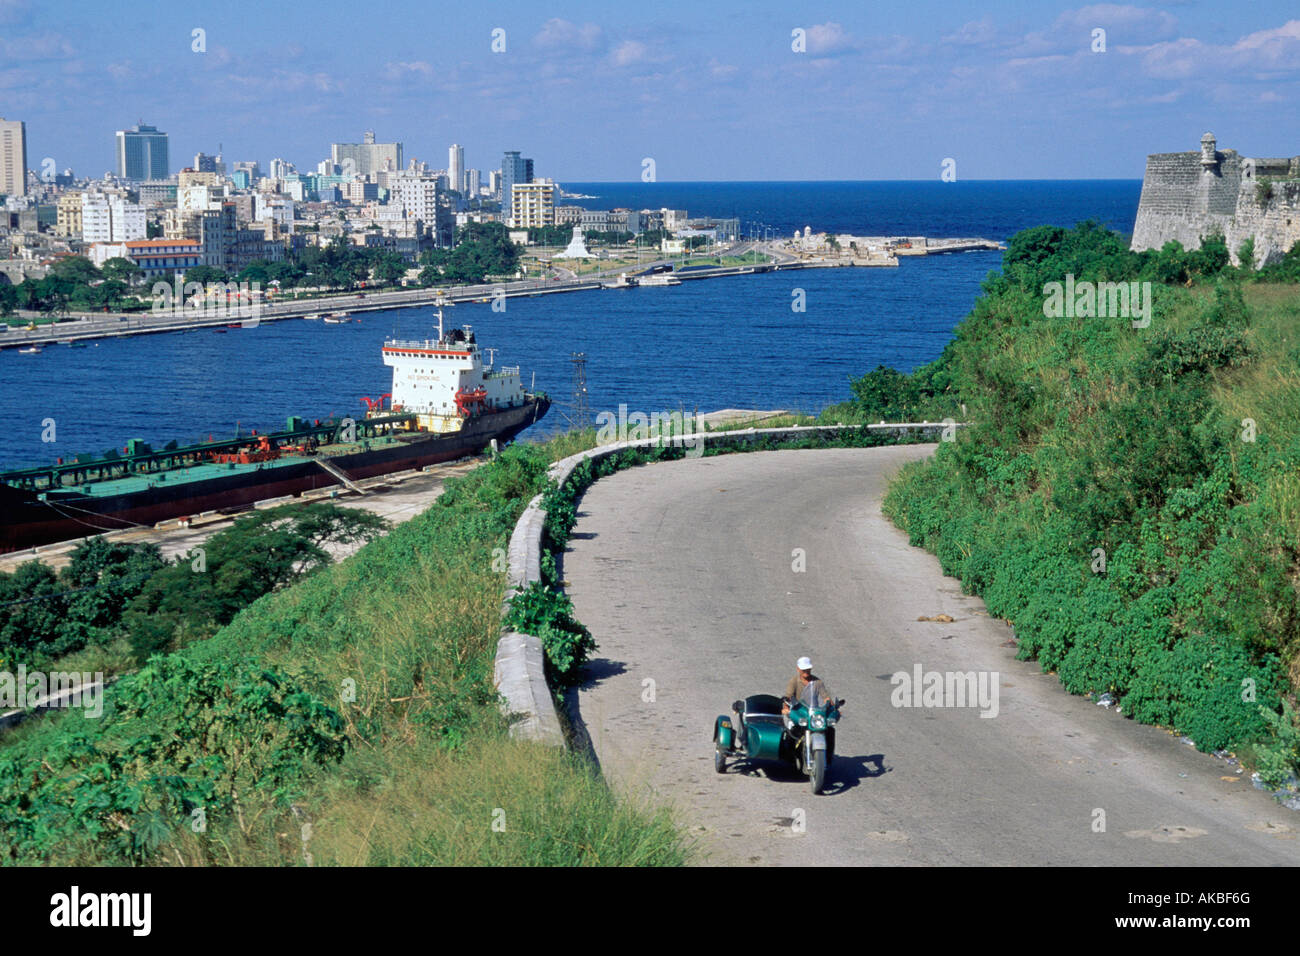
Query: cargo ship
(445,404)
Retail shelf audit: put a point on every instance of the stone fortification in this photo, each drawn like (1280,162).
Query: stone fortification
(1187,196)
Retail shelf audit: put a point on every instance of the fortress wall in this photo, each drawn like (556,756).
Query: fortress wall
(1274,225)
(1183,200)
(1222,186)
(1171,206)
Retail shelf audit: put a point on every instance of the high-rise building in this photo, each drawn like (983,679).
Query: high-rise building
(367,157)
(13,157)
(456,167)
(513,170)
(110,219)
(142,153)
(494,182)
(417,195)
(532,205)
(203,163)
(473,180)
(68,215)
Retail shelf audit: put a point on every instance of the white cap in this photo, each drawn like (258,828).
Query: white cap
(803,664)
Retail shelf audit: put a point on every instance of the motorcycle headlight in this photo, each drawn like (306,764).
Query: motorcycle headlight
(803,721)
(818,721)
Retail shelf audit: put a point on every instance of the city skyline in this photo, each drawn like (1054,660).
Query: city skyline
(1018,92)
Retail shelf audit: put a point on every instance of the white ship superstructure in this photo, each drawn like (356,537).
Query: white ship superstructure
(444,381)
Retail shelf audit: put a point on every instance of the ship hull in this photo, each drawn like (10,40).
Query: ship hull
(26,521)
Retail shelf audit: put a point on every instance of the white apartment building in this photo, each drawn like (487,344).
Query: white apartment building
(279,208)
(532,204)
(110,219)
(418,196)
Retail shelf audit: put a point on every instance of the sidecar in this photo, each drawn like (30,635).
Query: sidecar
(762,735)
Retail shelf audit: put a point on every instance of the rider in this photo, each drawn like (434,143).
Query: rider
(805,686)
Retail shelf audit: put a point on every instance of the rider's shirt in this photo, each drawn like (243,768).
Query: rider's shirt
(811,693)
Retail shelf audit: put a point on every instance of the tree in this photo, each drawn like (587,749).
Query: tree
(1211,258)
(103,577)
(1246,256)
(255,272)
(76,269)
(124,270)
(28,629)
(388,268)
(259,553)
(204,275)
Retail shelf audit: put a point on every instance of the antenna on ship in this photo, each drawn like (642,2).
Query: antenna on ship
(440,301)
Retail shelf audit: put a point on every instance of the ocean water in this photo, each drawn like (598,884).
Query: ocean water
(709,344)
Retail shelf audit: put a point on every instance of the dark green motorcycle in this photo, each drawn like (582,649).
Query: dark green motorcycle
(805,739)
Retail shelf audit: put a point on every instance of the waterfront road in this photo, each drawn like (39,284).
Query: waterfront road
(685,572)
(81,326)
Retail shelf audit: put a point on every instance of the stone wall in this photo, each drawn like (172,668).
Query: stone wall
(1187,196)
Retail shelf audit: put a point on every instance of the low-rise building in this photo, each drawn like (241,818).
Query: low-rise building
(164,258)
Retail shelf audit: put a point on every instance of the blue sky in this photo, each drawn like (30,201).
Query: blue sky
(711,91)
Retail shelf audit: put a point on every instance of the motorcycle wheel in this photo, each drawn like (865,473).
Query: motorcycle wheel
(719,760)
(818,771)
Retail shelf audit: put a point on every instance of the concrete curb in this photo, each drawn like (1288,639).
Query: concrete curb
(519,672)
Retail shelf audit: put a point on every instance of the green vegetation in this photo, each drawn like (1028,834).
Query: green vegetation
(359,700)
(482,249)
(75,283)
(338,265)
(112,597)
(1126,497)
(547,613)
(551,235)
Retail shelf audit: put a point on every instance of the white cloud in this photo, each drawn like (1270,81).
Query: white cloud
(1136,23)
(407,69)
(563,34)
(975,33)
(827,38)
(628,53)
(47,46)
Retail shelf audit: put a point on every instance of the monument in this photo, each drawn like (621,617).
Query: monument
(577,247)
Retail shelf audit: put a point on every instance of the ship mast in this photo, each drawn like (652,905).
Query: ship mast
(440,301)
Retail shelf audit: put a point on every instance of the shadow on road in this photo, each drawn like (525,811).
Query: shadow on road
(599,669)
(844,774)
(593,672)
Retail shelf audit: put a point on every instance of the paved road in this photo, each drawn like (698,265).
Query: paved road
(683,572)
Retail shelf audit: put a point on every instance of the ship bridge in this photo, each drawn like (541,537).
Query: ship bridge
(443,381)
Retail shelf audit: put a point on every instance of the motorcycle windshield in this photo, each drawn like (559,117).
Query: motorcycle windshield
(814,695)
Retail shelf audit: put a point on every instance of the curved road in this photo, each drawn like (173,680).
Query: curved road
(684,572)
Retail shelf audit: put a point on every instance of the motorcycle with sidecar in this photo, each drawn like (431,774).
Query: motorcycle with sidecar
(803,739)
